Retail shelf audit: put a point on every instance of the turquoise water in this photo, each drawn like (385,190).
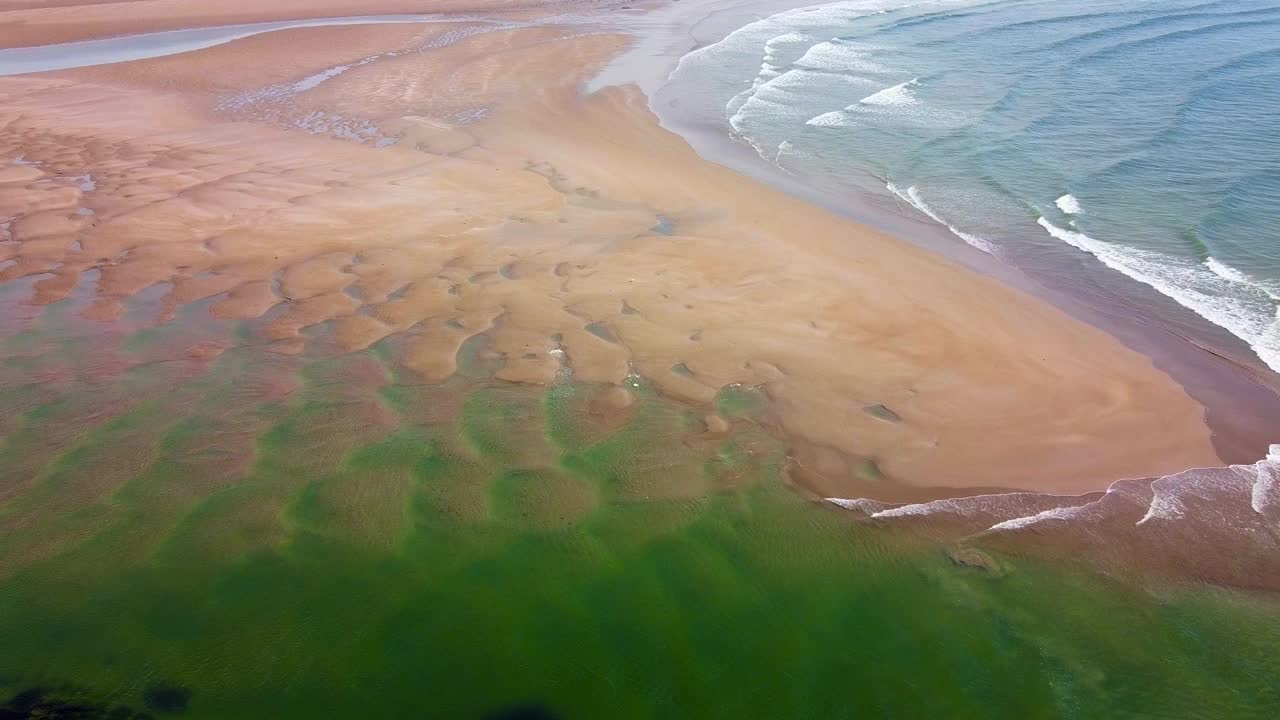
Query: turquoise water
(1144,136)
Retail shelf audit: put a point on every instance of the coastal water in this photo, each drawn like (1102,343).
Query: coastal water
(193,525)
(323,535)
(1139,137)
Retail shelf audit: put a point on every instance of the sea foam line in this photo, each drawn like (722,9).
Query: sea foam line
(912,196)
(1226,497)
(1216,292)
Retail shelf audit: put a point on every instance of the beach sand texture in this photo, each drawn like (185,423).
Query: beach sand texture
(572,231)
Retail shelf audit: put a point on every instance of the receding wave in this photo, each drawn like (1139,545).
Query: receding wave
(912,196)
(1216,292)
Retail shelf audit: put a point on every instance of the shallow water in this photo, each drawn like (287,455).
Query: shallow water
(1137,135)
(263,535)
(187,531)
(106,51)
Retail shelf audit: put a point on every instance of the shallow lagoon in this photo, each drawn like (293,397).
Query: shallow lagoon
(321,535)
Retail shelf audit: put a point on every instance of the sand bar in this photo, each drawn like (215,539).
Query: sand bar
(513,206)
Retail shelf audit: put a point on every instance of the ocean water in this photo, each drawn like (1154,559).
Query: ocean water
(1143,137)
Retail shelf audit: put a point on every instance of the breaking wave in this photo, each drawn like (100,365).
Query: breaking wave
(912,196)
(1216,292)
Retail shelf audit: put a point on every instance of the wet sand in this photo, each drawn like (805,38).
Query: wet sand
(572,230)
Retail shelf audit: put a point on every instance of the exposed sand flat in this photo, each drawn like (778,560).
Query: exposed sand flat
(573,232)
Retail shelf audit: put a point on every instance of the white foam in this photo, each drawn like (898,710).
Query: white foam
(1265,495)
(1164,506)
(780,97)
(967,507)
(766,38)
(897,96)
(1209,493)
(912,196)
(1217,293)
(899,105)
(839,57)
(836,118)
(790,37)
(863,504)
(1225,498)
(909,510)
(1226,272)
(1058,513)
(1069,204)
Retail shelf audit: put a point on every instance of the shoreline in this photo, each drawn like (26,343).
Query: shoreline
(1240,394)
(493,136)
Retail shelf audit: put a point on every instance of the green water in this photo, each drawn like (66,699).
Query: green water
(267,536)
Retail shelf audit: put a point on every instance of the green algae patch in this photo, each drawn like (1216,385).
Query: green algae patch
(301,538)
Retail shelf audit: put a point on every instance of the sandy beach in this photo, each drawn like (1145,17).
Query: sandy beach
(570,228)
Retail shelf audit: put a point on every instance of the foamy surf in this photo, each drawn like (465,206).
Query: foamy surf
(912,196)
(1199,512)
(838,57)
(1069,205)
(1215,292)
(836,118)
(896,96)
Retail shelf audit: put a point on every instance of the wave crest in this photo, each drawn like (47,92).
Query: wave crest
(1215,292)
(897,96)
(912,196)
(1069,205)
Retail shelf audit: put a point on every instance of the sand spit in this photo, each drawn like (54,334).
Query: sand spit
(577,236)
